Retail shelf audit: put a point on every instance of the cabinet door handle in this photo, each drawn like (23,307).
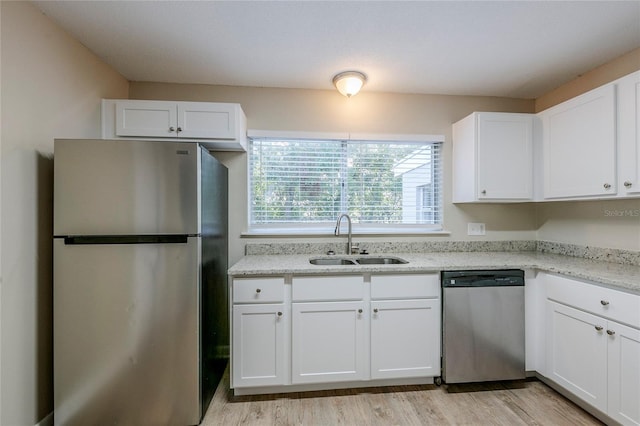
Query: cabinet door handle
(604,302)
(179,129)
(375,311)
(611,332)
(483,192)
(598,328)
(628,184)
(279,314)
(359,311)
(172,129)
(607,186)
(258,290)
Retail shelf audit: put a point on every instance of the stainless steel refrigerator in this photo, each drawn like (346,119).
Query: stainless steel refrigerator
(140,260)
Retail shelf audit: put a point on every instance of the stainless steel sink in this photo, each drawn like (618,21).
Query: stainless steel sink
(380,260)
(335,261)
(374,260)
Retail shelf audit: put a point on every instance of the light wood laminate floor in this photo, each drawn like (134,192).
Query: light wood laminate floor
(528,402)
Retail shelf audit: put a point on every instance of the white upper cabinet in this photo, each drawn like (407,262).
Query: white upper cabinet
(147,119)
(629,134)
(579,146)
(493,157)
(217,126)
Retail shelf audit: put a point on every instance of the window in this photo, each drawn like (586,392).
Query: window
(299,184)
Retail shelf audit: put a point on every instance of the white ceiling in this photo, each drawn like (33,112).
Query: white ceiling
(517,49)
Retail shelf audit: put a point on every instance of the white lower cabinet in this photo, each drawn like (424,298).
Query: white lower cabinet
(258,345)
(259,319)
(405,338)
(328,342)
(577,353)
(329,329)
(590,352)
(405,326)
(624,374)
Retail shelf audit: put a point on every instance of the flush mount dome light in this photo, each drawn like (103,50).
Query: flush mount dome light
(349,83)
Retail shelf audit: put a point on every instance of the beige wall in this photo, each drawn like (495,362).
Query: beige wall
(593,223)
(51,87)
(328,111)
(619,67)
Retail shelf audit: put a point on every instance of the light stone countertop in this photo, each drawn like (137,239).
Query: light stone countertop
(613,275)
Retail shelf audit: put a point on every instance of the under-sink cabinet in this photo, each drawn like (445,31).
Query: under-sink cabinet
(332,330)
(328,329)
(593,345)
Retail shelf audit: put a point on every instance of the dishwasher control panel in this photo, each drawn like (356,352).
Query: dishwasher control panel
(483,278)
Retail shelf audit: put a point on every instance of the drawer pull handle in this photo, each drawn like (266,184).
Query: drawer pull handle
(359,311)
(375,311)
(598,328)
(628,184)
(607,186)
(258,290)
(611,332)
(279,314)
(604,302)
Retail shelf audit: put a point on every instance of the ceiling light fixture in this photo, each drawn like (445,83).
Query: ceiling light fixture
(349,83)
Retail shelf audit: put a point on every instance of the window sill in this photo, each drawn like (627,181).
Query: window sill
(320,233)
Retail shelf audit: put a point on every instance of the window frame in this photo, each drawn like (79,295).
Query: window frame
(327,228)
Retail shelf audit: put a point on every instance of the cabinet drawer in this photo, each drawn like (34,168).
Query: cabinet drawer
(616,305)
(405,286)
(308,289)
(258,290)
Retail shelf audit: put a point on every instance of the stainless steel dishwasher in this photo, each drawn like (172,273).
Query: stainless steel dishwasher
(483,326)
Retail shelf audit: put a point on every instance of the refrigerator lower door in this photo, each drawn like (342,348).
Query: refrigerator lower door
(126,337)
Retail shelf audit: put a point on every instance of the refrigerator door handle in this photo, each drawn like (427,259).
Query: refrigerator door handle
(126,239)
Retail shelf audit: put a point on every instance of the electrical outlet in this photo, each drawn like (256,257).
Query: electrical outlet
(475,229)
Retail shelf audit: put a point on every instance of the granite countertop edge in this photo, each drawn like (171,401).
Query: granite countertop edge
(613,275)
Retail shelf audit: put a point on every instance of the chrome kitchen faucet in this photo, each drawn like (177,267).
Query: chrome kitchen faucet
(337,231)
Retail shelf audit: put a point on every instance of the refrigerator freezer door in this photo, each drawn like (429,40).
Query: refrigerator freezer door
(126,333)
(104,187)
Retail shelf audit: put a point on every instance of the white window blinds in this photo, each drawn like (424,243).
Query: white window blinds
(379,184)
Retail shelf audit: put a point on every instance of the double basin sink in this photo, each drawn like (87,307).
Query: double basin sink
(373,260)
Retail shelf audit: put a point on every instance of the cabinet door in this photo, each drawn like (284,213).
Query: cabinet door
(577,353)
(405,338)
(328,342)
(207,120)
(579,146)
(258,345)
(629,133)
(146,118)
(505,156)
(624,373)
